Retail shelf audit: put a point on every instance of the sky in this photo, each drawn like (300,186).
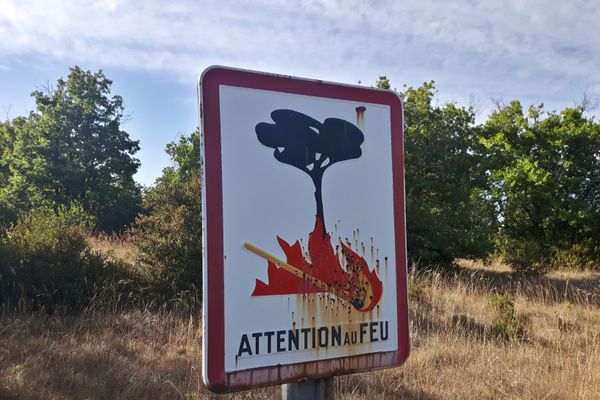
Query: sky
(477,51)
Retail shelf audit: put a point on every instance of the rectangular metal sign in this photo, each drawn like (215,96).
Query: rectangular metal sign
(304,229)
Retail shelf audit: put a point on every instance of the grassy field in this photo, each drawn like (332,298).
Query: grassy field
(541,340)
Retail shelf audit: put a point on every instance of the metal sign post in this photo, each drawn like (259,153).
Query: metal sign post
(304,232)
(315,389)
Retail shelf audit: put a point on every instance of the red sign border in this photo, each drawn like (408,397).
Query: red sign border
(214,374)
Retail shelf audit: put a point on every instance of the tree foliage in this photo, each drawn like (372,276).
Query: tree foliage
(71,148)
(526,183)
(169,234)
(447,214)
(544,181)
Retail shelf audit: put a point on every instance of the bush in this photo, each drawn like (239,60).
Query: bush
(507,325)
(168,239)
(582,255)
(169,236)
(47,263)
(525,256)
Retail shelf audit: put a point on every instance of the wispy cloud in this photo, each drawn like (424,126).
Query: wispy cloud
(471,46)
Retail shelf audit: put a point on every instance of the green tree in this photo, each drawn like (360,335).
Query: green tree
(12,200)
(6,140)
(168,235)
(447,214)
(545,181)
(72,148)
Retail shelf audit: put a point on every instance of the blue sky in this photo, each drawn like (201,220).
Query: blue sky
(476,51)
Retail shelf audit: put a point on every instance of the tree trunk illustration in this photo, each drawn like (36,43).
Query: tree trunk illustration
(317,180)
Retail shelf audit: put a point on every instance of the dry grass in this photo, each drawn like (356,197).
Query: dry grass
(143,354)
(115,246)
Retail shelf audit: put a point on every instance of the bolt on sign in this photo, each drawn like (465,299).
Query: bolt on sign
(304,229)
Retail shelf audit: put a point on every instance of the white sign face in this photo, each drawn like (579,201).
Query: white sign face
(312,253)
(264,199)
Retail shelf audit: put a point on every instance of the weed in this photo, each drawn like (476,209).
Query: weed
(593,333)
(19,370)
(462,321)
(507,325)
(416,290)
(566,319)
(564,325)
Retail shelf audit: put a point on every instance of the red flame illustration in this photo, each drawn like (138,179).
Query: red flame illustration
(355,283)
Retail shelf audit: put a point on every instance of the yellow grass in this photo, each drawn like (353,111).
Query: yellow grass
(116,246)
(148,355)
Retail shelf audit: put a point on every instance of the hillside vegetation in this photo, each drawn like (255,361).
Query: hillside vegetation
(465,345)
(100,279)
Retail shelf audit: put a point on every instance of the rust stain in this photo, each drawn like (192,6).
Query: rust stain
(372,252)
(324,309)
(360,116)
(316,369)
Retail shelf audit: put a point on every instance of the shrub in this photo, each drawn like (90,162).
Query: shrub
(169,236)
(47,263)
(582,255)
(528,257)
(507,325)
(566,319)
(467,325)
(417,289)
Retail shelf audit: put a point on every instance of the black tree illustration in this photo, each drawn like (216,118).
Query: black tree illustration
(310,145)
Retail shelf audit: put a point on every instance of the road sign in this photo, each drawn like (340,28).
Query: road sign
(304,229)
